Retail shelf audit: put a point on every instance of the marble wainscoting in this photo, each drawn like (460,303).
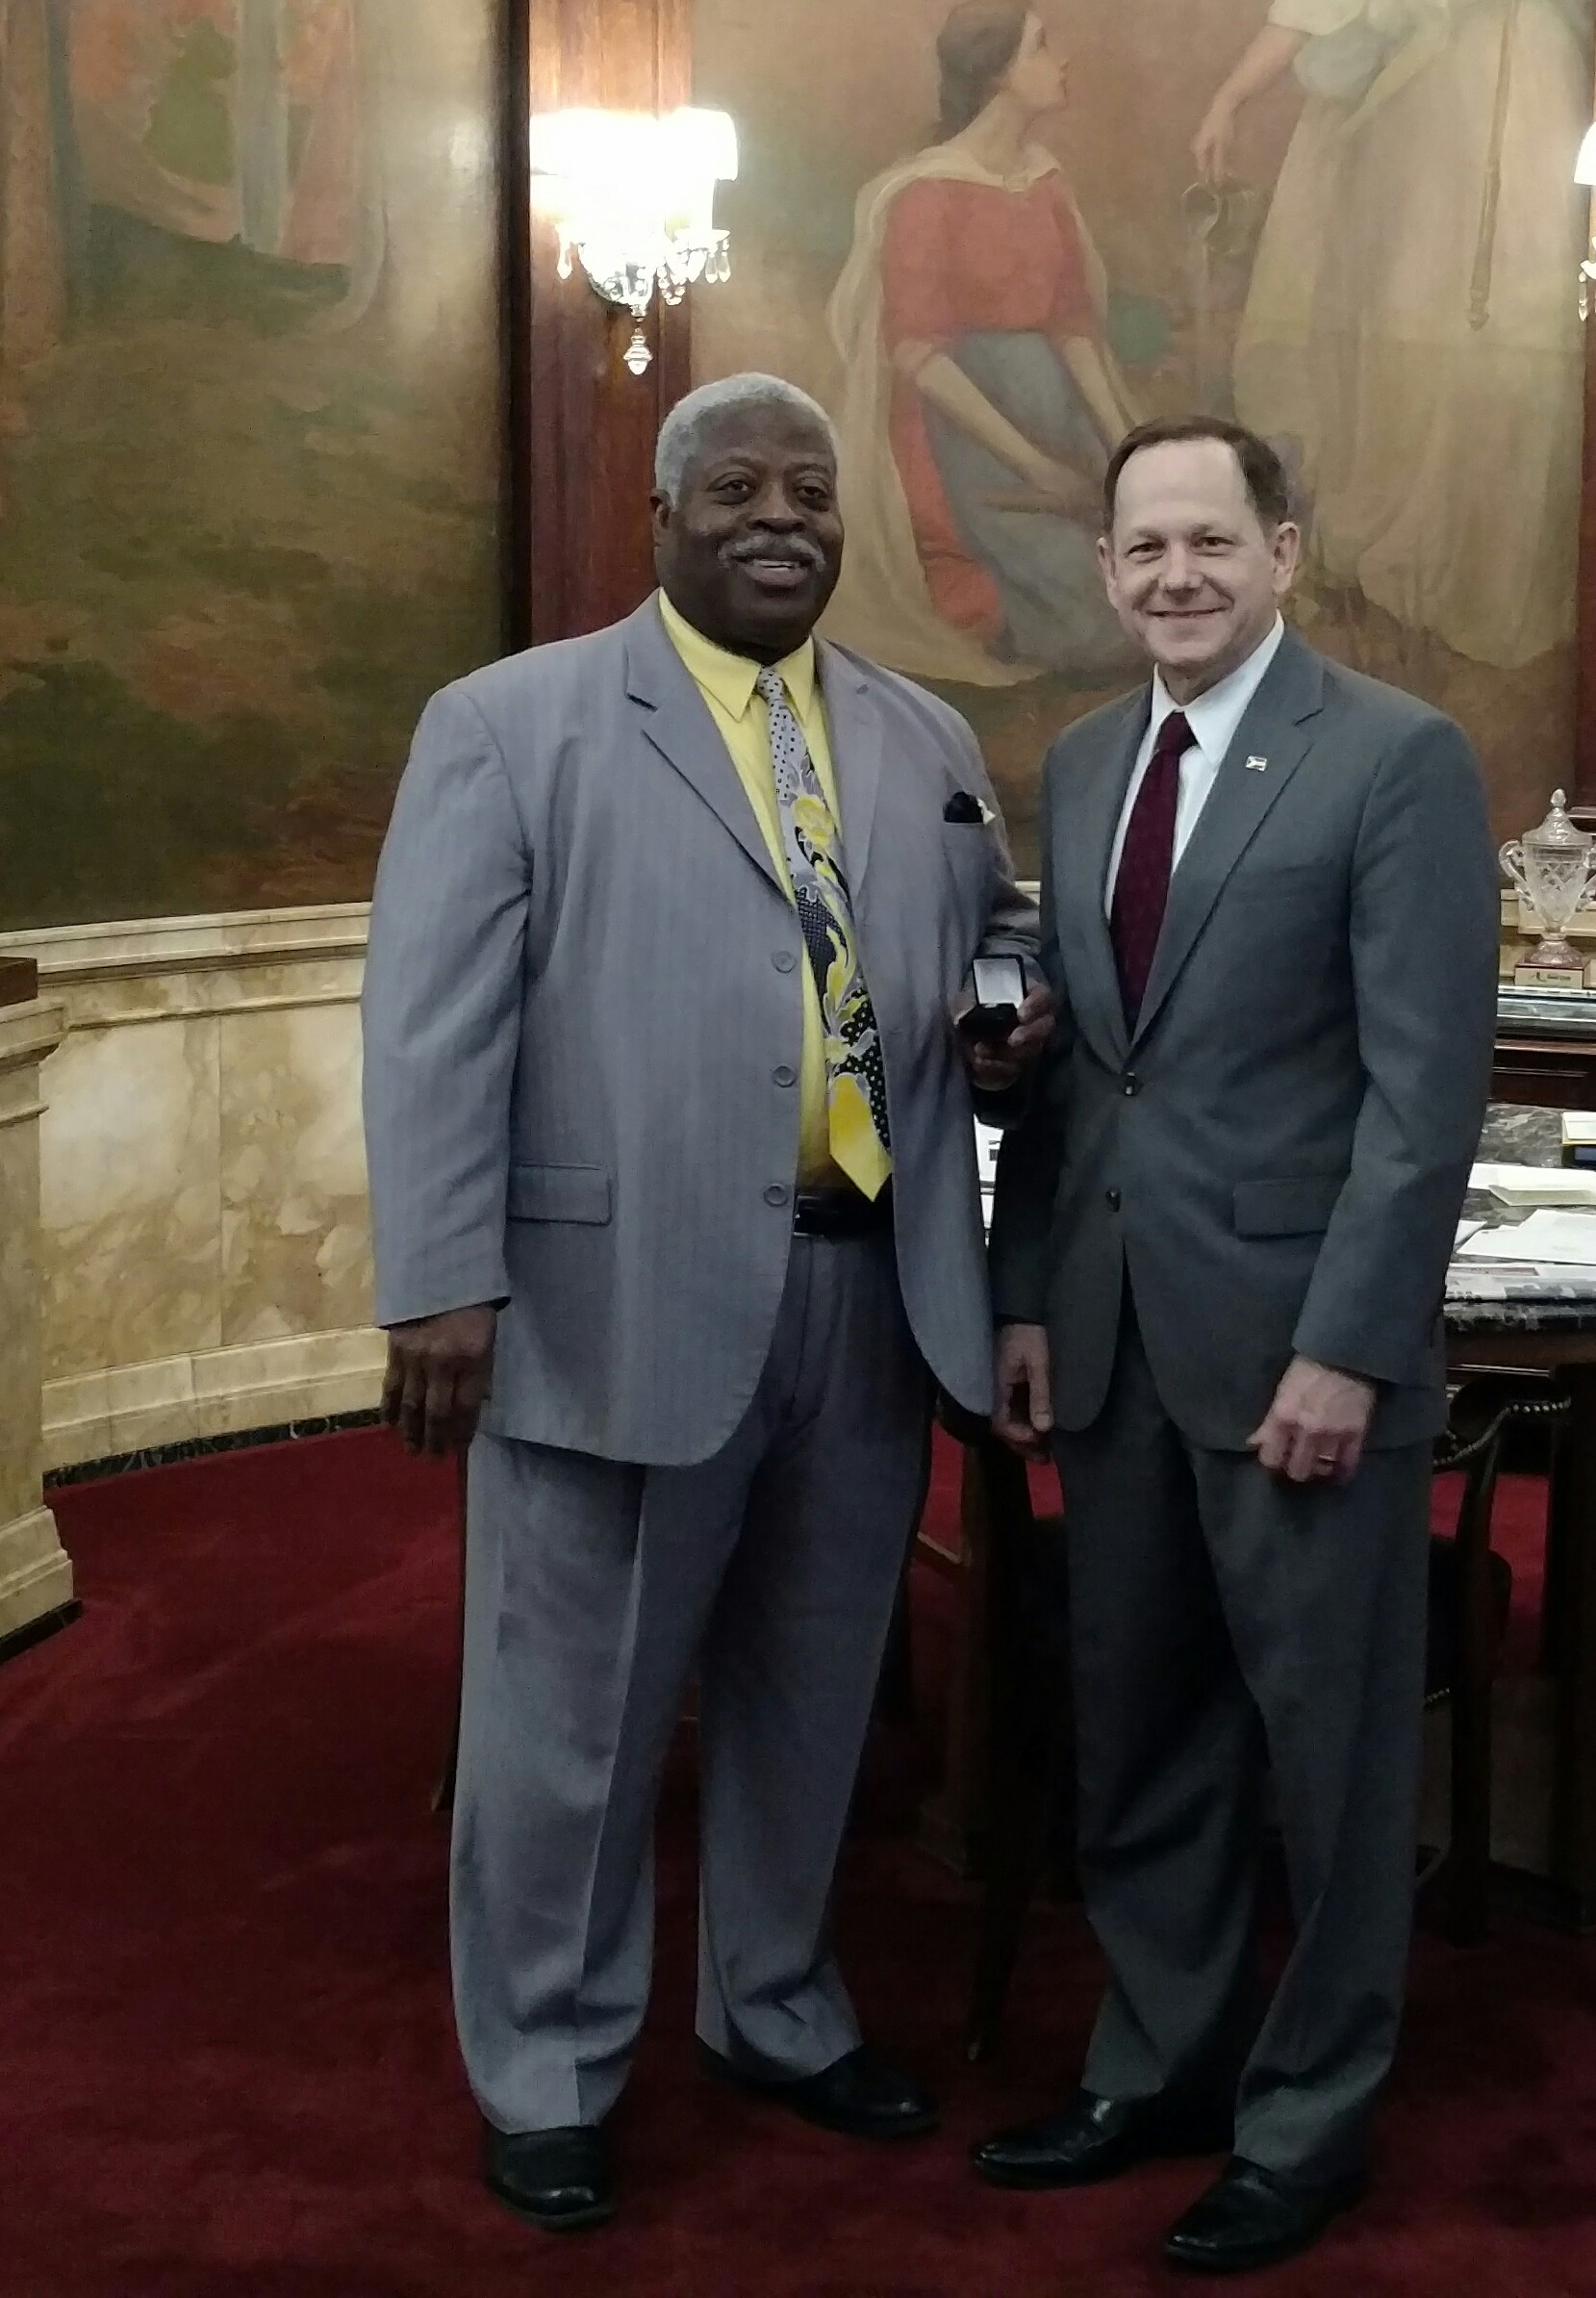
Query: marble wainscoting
(35,1577)
(206,1250)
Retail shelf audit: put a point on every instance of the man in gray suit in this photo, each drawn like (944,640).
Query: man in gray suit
(673,1172)
(1220,1242)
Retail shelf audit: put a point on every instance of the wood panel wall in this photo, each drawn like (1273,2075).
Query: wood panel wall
(584,425)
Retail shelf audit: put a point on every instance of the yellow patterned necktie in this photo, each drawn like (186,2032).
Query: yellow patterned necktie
(856,1081)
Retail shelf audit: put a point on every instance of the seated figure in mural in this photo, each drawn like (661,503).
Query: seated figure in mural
(1411,320)
(981,399)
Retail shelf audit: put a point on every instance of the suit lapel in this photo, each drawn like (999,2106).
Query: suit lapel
(675,719)
(1086,845)
(1278,729)
(855,726)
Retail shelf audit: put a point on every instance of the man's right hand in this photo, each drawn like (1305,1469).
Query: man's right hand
(1023,1417)
(440,1372)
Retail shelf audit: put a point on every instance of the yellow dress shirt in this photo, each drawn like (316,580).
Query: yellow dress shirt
(726,683)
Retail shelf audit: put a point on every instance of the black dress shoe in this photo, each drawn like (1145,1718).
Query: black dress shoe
(860,2096)
(562,2181)
(1094,2138)
(1253,2217)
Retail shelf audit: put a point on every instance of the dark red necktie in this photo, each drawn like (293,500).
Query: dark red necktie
(1141,890)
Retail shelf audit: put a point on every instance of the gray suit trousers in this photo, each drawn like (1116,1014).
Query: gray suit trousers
(1226,1624)
(593,1588)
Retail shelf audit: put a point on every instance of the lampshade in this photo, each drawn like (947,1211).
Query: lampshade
(633,196)
(630,163)
(1584,166)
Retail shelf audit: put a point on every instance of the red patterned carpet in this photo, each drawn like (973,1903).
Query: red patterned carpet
(226,2062)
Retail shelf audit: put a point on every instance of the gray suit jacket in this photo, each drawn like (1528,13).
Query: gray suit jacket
(584,1024)
(1279,1152)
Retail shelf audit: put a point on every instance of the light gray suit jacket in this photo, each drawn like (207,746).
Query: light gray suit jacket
(1278,1150)
(584,1024)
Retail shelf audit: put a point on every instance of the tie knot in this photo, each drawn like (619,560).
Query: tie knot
(769,684)
(1174,736)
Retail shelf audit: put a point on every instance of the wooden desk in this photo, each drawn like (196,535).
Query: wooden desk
(1548,1073)
(1562,1345)
(1568,1354)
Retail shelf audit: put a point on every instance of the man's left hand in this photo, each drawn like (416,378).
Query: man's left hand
(1315,1430)
(993,1068)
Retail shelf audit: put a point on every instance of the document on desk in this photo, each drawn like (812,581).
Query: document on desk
(1545,1238)
(1535,1184)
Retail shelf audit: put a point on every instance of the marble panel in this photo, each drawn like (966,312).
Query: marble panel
(297,1252)
(162,967)
(20,1280)
(168,944)
(130,1192)
(117,1000)
(36,1575)
(135,1407)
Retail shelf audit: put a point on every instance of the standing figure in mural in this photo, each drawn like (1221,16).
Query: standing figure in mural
(981,400)
(1412,321)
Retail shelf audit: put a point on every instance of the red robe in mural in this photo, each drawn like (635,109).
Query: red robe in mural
(960,259)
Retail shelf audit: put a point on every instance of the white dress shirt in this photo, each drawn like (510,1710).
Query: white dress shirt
(1213,719)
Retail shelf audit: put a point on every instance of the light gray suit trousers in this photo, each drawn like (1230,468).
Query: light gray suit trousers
(591,1588)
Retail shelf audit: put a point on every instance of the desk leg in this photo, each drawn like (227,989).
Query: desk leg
(956,1821)
(950,1820)
(1574,1763)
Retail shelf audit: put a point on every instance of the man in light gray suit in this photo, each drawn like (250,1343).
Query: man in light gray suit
(1220,1235)
(673,1171)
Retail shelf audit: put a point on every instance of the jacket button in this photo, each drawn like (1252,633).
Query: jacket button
(785,1076)
(784,962)
(1132,1085)
(776,1194)
(1113,1198)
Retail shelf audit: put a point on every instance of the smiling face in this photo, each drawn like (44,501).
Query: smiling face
(751,551)
(1037,79)
(1194,574)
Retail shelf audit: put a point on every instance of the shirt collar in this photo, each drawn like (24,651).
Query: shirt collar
(729,679)
(1214,717)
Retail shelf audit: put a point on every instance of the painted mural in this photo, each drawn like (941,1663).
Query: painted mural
(995,235)
(249,436)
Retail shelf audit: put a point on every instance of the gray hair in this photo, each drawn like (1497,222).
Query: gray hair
(682,434)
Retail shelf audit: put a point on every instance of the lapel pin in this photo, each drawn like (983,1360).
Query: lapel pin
(1257,765)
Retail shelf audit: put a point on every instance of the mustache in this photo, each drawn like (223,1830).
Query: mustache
(795,551)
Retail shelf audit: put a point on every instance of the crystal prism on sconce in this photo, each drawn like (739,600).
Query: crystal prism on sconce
(1585,173)
(632,196)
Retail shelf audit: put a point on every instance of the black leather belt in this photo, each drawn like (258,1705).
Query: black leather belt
(838,1213)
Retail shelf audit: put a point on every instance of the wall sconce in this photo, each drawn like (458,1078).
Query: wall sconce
(1585,173)
(633,196)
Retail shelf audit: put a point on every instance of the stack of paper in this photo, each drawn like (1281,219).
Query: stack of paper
(1546,1239)
(1544,1184)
